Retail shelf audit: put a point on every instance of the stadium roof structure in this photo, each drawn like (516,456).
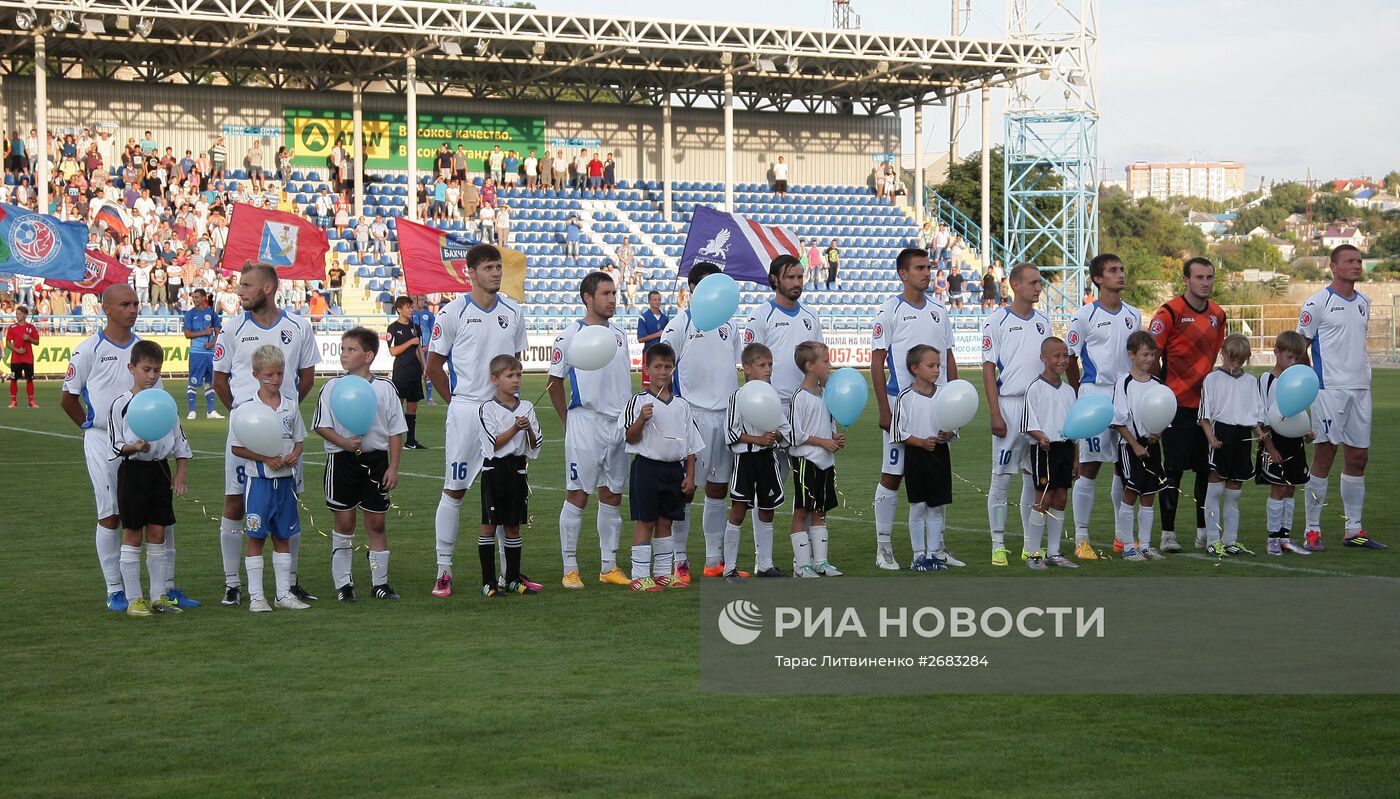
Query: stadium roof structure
(486,53)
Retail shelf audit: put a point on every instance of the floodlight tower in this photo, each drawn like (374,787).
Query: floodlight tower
(841,16)
(1051,189)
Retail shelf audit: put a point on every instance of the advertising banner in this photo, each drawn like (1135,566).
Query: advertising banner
(312,132)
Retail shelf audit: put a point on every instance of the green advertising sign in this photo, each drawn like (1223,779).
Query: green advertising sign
(311,133)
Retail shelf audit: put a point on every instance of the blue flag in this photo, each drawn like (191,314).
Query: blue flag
(740,246)
(41,245)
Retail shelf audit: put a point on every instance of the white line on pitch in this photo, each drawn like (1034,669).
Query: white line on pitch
(1263,564)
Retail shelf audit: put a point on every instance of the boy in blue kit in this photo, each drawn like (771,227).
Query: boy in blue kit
(757,480)
(512,439)
(270,498)
(202,328)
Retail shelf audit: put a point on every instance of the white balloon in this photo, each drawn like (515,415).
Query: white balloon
(1295,426)
(758,402)
(592,348)
(1158,409)
(956,404)
(257,428)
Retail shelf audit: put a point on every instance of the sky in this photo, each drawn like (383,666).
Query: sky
(1283,86)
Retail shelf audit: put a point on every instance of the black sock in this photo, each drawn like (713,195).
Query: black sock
(486,549)
(1202,484)
(412,420)
(1283,532)
(512,560)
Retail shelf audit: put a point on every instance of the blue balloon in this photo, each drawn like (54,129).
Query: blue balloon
(1296,389)
(1089,416)
(353,403)
(714,302)
(845,395)
(151,414)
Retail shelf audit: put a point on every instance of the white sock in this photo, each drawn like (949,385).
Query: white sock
(1056,530)
(1115,491)
(1144,515)
(609,534)
(1314,497)
(109,554)
(445,523)
(641,561)
(1214,493)
(1288,506)
(253,564)
(1029,496)
(294,553)
(1124,527)
(886,503)
(231,548)
(680,536)
(996,508)
(570,520)
(918,527)
(713,520)
(819,537)
(1035,532)
(169,557)
(158,567)
(1273,515)
(1231,532)
(934,521)
(1353,501)
(341,546)
(801,549)
(731,547)
(129,564)
(282,573)
(663,555)
(1083,503)
(378,567)
(762,544)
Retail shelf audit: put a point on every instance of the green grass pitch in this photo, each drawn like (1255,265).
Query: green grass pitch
(591,692)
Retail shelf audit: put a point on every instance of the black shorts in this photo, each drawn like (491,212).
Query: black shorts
(1054,469)
(1293,471)
(355,481)
(815,487)
(22,371)
(780,186)
(654,489)
(1184,446)
(1233,461)
(505,491)
(757,480)
(409,384)
(928,475)
(143,494)
(1142,475)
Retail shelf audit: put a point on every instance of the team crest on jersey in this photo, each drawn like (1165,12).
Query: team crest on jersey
(253,522)
(72,371)
(218,351)
(934,314)
(1305,319)
(289,426)
(807,323)
(1128,322)
(723,331)
(1073,337)
(1039,328)
(1214,323)
(503,321)
(879,329)
(437,332)
(286,337)
(1156,328)
(986,343)
(620,342)
(748,336)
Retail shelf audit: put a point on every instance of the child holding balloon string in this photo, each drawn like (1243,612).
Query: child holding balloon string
(145,486)
(815,442)
(1139,447)
(756,428)
(272,423)
(1281,462)
(1054,465)
(512,439)
(1230,416)
(928,466)
(359,418)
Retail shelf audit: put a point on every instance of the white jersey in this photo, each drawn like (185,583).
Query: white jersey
(97,372)
(782,330)
(811,418)
(172,444)
(497,418)
(604,391)
(293,430)
(1230,399)
(233,354)
(1099,339)
(915,414)
(737,426)
(470,336)
(1336,328)
(1046,407)
(1013,344)
(1128,394)
(670,435)
(706,361)
(900,326)
(388,416)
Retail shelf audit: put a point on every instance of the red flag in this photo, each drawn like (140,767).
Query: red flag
(102,271)
(435,261)
(292,245)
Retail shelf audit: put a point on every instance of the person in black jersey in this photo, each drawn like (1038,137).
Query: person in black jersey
(404,340)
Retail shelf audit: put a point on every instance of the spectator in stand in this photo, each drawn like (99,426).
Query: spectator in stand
(471,200)
(284,164)
(325,208)
(424,201)
(573,235)
(17,163)
(814,262)
(625,256)
(833,264)
(338,164)
(218,158)
(940,287)
(632,289)
(561,170)
(650,325)
(532,170)
(609,173)
(440,199)
(335,281)
(342,214)
(510,169)
(595,173)
(503,225)
(488,193)
(459,164)
(254,160)
(580,172)
(497,163)
(780,178)
(488,224)
(941,240)
(379,234)
(443,162)
(454,199)
(956,253)
(955,290)
(891,183)
(148,144)
(990,290)
(160,300)
(362,239)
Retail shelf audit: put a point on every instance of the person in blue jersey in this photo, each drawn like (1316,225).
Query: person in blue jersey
(423,317)
(202,329)
(650,326)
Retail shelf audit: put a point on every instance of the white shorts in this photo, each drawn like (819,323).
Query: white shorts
(1010,452)
(891,455)
(595,453)
(236,470)
(463,447)
(1342,416)
(716,463)
(102,470)
(1102,448)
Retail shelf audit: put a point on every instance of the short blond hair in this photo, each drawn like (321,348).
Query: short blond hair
(808,353)
(268,356)
(1236,348)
